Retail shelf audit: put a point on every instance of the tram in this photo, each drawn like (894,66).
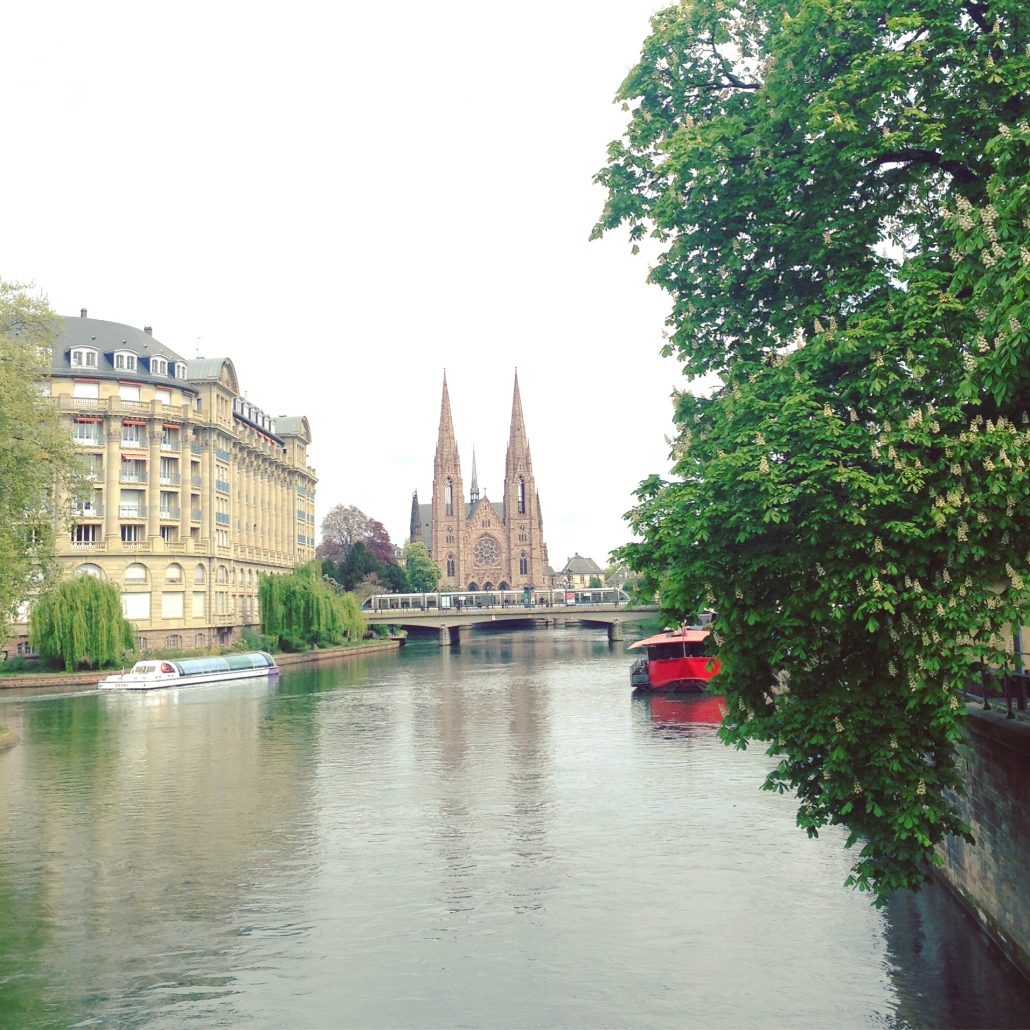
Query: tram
(460,600)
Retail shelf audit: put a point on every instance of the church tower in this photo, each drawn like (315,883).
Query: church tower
(482,546)
(526,549)
(448,506)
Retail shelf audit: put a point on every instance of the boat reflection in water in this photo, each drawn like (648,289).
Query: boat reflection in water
(683,710)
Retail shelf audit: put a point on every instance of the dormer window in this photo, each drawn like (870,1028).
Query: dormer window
(84,357)
(125,360)
(158,366)
(180,370)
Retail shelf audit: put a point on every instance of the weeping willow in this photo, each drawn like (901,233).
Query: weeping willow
(300,610)
(80,623)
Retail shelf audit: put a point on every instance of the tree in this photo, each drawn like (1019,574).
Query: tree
(423,572)
(301,610)
(836,194)
(36,455)
(79,622)
(342,528)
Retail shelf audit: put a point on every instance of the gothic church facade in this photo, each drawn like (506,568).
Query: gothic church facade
(478,544)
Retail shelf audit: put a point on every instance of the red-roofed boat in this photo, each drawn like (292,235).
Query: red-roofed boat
(677,660)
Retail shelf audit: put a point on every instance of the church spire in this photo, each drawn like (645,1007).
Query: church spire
(518,459)
(474,490)
(446,445)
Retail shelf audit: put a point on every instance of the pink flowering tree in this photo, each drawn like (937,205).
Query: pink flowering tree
(836,196)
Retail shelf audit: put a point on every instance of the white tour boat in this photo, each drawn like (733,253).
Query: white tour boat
(184,672)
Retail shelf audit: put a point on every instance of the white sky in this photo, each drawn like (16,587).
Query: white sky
(346,199)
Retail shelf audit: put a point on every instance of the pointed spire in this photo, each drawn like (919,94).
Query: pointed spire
(446,445)
(474,491)
(518,446)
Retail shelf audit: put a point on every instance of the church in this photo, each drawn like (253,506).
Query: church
(477,544)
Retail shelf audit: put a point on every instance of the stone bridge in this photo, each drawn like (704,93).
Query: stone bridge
(452,622)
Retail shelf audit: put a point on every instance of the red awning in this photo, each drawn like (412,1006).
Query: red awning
(84,418)
(674,636)
(169,426)
(133,422)
(135,457)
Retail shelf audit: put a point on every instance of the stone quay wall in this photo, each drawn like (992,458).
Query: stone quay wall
(992,877)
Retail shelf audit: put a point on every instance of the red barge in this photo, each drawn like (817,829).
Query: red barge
(677,660)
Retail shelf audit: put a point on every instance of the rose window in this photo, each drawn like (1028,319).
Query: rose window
(486,551)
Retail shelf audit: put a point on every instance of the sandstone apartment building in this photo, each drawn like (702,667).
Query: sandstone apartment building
(195,491)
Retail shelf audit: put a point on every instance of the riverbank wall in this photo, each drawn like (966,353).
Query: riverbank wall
(85,679)
(991,877)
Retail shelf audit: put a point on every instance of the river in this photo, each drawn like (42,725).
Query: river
(495,835)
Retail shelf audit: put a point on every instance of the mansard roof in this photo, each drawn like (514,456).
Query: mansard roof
(293,425)
(108,338)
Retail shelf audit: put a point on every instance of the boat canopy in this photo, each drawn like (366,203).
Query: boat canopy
(674,636)
(224,663)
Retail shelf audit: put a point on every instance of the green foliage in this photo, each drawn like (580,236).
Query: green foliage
(423,572)
(837,196)
(35,452)
(79,623)
(302,610)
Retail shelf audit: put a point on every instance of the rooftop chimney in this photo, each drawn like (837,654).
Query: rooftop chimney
(149,330)
(82,313)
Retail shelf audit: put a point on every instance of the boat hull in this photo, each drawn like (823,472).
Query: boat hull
(157,673)
(129,682)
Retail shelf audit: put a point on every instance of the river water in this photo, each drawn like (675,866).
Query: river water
(496,835)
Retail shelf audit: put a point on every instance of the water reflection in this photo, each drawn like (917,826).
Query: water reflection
(490,835)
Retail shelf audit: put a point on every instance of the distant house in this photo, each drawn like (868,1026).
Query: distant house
(579,572)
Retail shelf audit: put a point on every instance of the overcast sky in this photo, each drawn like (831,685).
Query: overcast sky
(347,199)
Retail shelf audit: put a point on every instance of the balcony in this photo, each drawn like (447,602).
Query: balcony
(88,441)
(88,511)
(196,482)
(221,518)
(169,514)
(132,511)
(170,479)
(170,445)
(221,486)
(141,443)
(132,476)
(196,515)
(222,455)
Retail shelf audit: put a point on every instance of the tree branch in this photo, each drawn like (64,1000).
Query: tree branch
(917,155)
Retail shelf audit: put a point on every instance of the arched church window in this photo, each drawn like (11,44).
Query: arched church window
(523,565)
(521,493)
(450,565)
(448,497)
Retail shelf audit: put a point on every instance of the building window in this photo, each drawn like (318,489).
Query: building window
(125,360)
(180,370)
(128,392)
(84,357)
(158,366)
(520,490)
(164,396)
(87,433)
(136,573)
(132,434)
(451,566)
(173,574)
(523,565)
(132,534)
(89,569)
(86,391)
(85,535)
(198,574)
(448,498)
(173,640)
(94,467)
